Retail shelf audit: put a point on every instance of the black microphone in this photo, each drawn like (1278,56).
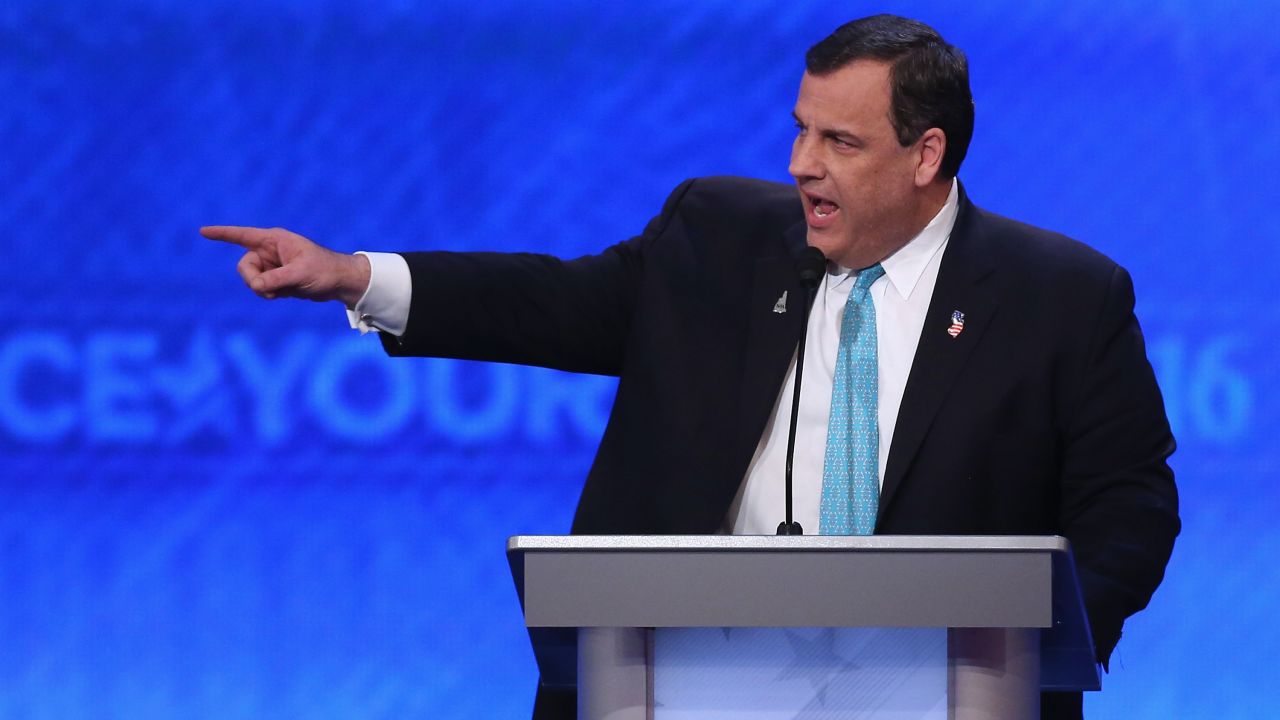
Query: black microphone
(809,266)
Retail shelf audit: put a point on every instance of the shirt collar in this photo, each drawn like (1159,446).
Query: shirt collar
(904,267)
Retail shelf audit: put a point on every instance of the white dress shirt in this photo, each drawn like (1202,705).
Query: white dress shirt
(901,300)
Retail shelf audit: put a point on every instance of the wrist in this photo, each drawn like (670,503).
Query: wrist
(355,280)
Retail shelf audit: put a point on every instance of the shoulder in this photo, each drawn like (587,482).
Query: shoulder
(712,230)
(1036,254)
(743,192)
(741,201)
(1042,275)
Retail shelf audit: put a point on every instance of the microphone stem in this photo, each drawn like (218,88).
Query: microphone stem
(790,527)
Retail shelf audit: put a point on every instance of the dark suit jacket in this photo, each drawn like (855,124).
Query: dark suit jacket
(1041,417)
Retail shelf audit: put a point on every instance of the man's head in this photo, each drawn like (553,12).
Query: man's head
(884,117)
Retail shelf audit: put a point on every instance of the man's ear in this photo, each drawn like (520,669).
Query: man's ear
(932,147)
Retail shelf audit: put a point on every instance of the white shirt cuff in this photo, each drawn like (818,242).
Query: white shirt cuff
(385,303)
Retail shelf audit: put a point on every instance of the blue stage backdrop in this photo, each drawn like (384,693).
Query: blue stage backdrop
(213,506)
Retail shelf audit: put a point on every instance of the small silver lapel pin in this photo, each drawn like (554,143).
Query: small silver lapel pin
(781,306)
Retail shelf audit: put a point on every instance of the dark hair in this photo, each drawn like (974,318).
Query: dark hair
(928,77)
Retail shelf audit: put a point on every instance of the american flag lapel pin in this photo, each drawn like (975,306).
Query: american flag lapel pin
(957,324)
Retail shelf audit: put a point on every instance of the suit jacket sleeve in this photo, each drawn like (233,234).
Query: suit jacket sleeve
(1119,505)
(526,308)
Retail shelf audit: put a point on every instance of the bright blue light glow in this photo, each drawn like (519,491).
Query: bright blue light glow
(213,506)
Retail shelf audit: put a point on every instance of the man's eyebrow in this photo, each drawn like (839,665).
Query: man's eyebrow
(844,136)
(833,133)
(830,132)
(838,134)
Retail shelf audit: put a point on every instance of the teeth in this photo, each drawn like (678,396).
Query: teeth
(823,207)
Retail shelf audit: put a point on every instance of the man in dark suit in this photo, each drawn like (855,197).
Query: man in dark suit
(1029,406)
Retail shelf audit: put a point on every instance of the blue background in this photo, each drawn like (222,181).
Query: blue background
(217,507)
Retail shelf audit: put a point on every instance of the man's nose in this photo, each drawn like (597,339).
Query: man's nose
(804,159)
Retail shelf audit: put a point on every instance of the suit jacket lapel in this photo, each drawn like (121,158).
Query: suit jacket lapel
(771,337)
(939,356)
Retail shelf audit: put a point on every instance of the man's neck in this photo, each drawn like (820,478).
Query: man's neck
(932,200)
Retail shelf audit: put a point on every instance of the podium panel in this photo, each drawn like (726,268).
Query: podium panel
(814,626)
(788,673)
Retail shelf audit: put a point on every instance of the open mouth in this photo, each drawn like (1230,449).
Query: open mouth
(824,208)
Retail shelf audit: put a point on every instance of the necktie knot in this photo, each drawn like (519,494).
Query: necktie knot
(866,276)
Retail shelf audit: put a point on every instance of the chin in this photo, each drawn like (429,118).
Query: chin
(830,247)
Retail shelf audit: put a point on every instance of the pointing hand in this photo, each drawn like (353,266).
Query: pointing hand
(279,263)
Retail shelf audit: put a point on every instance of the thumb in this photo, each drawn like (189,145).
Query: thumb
(278,281)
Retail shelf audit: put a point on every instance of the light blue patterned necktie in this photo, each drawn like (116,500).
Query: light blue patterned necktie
(850,476)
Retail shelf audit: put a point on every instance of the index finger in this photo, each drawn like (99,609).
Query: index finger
(246,237)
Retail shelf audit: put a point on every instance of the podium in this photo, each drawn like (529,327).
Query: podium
(673,627)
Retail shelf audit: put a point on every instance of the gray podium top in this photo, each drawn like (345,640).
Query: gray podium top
(567,582)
